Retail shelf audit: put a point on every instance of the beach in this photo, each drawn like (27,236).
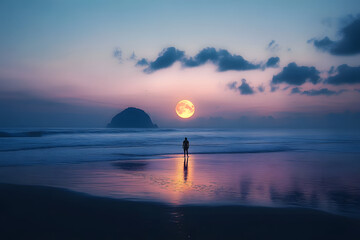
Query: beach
(133,184)
(34,212)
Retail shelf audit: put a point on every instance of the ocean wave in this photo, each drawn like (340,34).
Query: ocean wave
(77,145)
(244,151)
(72,145)
(21,134)
(147,149)
(41,148)
(40,133)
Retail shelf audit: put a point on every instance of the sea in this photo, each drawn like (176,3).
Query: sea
(306,168)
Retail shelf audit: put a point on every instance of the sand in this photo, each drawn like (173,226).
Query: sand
(34,212)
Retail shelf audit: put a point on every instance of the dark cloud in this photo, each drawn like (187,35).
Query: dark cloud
(317,92)
(142,62)
(345,74)
(272,46)
(232,85)
(261,88)
(349,44)
(117,54)
(228,61)
(324,44)
(244,88)
(295,90)
(273,62)
(205,55)
(165,59)
(271,43)
(273,88)
(286,88)
(224,60)
(293,74)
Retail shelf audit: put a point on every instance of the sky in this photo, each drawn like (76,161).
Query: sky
(77,63)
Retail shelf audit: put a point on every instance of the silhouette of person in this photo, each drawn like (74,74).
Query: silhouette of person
(186,147)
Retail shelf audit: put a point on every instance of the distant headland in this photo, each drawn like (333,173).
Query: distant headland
(132,118)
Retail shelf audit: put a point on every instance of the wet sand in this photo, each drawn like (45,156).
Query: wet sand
(34,212)
(285,179)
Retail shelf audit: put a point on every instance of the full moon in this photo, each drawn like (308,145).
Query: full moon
(185,109)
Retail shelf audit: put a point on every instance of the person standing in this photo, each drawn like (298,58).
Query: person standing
(186,147)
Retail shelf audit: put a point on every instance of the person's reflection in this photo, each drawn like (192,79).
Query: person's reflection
(186,164)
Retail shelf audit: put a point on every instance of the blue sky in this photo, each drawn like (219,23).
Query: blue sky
(46,28)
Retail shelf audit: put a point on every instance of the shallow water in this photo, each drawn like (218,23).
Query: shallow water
(312,169)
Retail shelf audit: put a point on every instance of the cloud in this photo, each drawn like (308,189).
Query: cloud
(244,88)
(142,62)
(345,74)
(261,88)
(233,62)
(317,92)
(295,90)
(273,62)
(322,91)
(273,46)
(232,85)
(224,60)
(133,56)
(324,44)
(205,55)
(271,43)
(117,54)
(273,88)
(286,88)
(293,74)
(349,44)
(165,59)
(332,70)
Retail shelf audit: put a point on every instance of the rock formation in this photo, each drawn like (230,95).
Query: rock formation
(132,118)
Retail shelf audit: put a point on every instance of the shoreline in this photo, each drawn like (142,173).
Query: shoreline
(261,180)
(37,212)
